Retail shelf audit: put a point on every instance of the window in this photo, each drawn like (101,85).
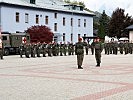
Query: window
(46,19)
(26,18)
(55,26)
(28,37)
(64,37)
(64,21)
(4,37)
(32,1)
(37,19)
(78,36)
(55,15)
(71,21)
(71,37)
(17,17)
(84,22)
(78,22)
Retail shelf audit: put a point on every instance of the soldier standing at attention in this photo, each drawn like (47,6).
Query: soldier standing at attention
(21,50)
(1,49)
(98,49)
(79,51)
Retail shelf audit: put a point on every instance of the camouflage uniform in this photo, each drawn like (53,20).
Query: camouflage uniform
(121,46)
(21,50)
(98,50)
(79,51)
(44,49)
(27,50)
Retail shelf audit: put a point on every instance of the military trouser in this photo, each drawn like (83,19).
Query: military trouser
(130,50)
(98,57)
(44,52)
(92,51)
(27,54)
(86,50)
(21,53)
(80,59)
(121,50)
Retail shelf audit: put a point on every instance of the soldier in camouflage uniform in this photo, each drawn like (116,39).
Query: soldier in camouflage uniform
(98,50)
(49,47)
(126,47)
(21,50)
(64,49)
(38,49)
(61,49)
(121,47)
(27,50)
(33,50)
(79,51)
(115,47)
(44,49)
(131,47)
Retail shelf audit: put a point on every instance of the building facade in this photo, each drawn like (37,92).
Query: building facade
(66,21)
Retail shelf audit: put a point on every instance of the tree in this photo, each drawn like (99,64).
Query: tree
(103,25)
(119,21)
(40,34)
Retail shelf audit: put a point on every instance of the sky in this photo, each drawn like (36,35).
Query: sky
(109,5)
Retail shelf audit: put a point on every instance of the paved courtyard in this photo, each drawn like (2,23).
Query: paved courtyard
(57,78)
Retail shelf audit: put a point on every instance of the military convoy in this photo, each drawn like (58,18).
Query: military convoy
(12,41)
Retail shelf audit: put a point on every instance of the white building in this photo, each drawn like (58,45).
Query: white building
(66,21)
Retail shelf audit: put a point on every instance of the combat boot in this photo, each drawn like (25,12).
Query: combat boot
(98,65)
(79,67)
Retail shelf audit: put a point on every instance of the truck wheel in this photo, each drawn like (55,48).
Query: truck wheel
(6,52)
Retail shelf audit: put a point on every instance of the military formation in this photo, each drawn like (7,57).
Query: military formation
(33,50)
(123,47)
(29,50)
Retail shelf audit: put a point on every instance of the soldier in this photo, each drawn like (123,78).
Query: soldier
(33,50)
(126,47)
(49,47)
(27,50)
(54,51)
(108,47)
(131,47)
(38,49)
(115,47)
(69,48)
(121,46)
(1,49)
(44,49)
(98,49)
(21,50)
(61,49)
(64,48)
(79,51)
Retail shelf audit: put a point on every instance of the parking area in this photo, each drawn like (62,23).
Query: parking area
(57,78)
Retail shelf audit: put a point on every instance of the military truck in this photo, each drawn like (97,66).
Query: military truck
(12,41)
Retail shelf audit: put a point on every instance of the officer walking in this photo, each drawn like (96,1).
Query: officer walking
(79,51)
(98,49)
